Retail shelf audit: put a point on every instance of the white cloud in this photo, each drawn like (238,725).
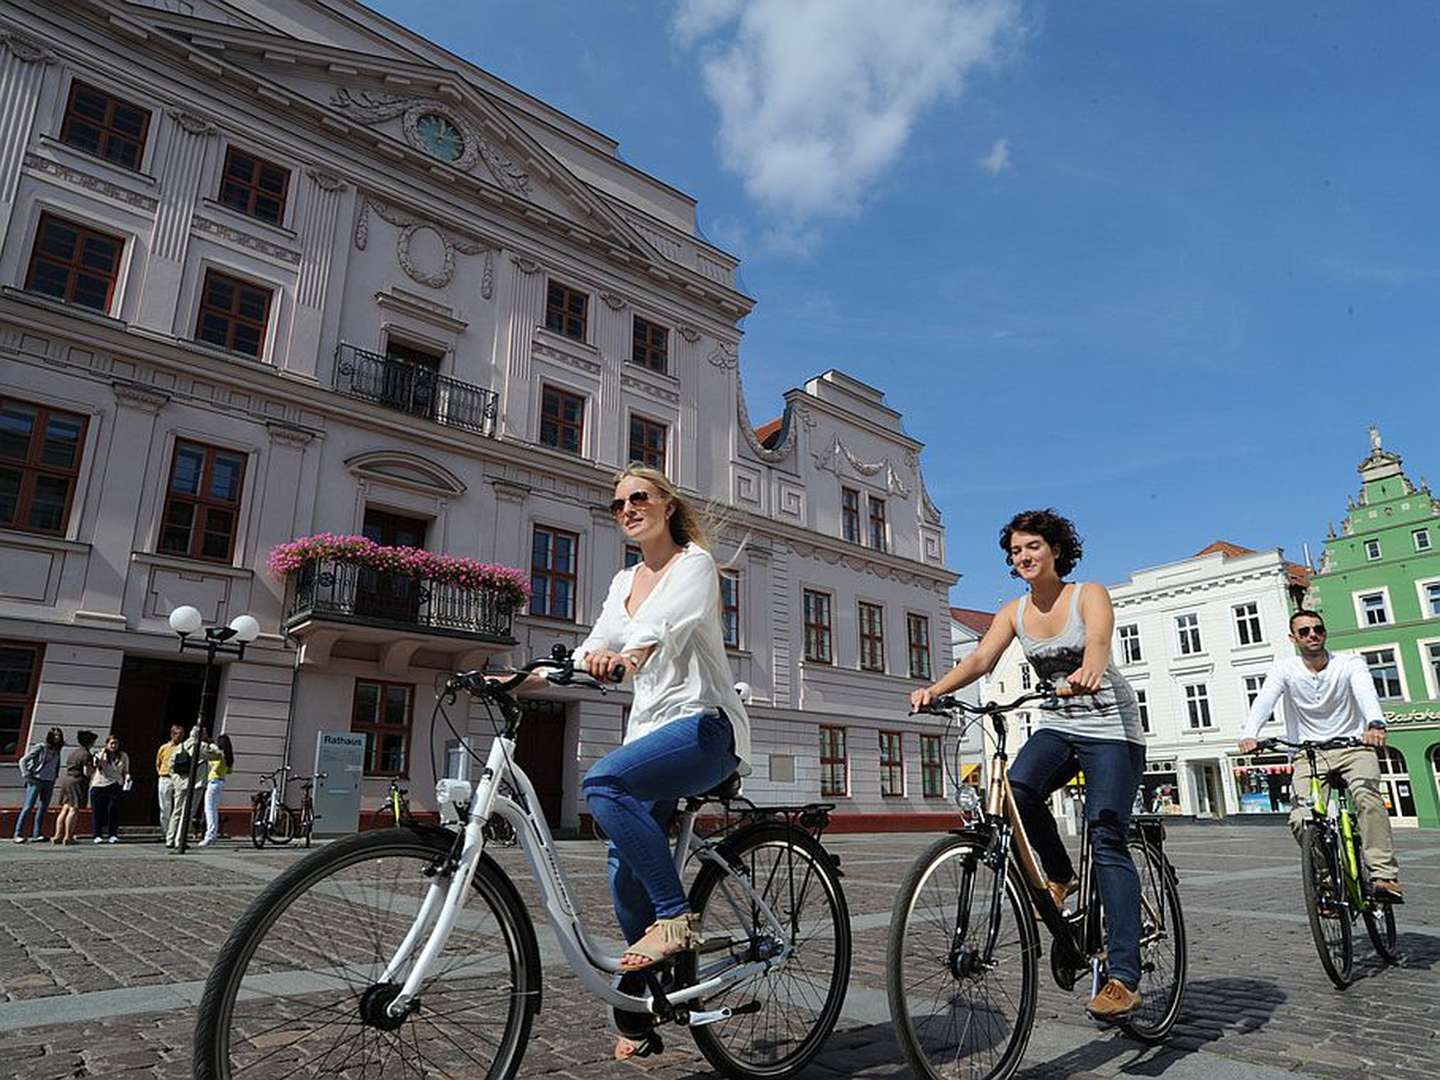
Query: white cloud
(817,98)
(998,159)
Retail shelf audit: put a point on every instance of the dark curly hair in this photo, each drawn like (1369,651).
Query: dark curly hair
(1056,530)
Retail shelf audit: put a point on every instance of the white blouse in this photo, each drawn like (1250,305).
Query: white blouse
(688,671)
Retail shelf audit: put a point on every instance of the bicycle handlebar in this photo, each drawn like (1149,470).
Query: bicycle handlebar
(1343,742)
(564,673)
(948,703)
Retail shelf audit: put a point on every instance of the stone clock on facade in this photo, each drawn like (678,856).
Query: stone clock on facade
(439,137)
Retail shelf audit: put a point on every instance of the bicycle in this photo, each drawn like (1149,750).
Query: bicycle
(1338,886)
(368,952)
(964,949)
(307,804)
(396,807)
(271,821)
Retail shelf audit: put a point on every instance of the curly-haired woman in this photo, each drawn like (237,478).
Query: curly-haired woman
(1064,629)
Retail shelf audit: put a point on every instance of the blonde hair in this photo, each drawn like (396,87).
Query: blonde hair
(687,526)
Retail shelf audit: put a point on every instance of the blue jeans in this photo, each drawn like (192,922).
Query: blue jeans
(1112,775)
(632,793)
(37,797)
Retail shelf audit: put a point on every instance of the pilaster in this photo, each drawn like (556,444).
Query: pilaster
(22,69)
(179,187)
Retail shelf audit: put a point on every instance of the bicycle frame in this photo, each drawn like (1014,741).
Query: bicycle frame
(443,903)
(1337,816)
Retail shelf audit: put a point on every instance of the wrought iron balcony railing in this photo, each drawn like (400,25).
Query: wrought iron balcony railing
(343,592)
(415,390)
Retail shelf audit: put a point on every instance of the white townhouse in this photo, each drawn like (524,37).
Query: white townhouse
(1195,639)
(283,268)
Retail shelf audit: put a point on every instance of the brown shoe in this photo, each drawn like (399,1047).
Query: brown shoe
(1388,892)
(1115,1001)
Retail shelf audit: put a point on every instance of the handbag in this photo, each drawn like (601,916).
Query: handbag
(180,763)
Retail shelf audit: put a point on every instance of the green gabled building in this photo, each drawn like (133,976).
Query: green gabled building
(1379,590)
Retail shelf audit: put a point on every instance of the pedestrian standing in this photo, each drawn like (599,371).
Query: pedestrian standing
(192,754)
(39,768)
(221,762)
(74,786)
(109,781)
(164,793)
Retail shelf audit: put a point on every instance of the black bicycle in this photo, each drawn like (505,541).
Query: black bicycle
(962,963)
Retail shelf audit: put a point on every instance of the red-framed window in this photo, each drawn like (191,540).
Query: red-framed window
(562,419)
(233,314)
(932,767)
(103,124)
(253,186)
(73,263)
(850,513)
(872,636)
(917,635)
(553,559)
(647,442)
(892,765)
(730,607)
(382,712)
(834,766)
(202,502)
(19,683)
(651,345)
(40,452)
(816,607)
(566,310)
(877,524)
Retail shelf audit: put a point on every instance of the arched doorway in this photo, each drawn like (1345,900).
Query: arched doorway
(1395,786)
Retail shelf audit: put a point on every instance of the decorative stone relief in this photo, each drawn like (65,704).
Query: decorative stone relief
(254,243)
(688,332)
(781,451)
(289,435)
(410,227)
(139,397)
(487,276)
(92,183)
(369,109)
(927,507)
(524,265)
(642,387)
(325,181)
(25,49)
(612,301)
(568,359)
(194,123)
(724,356)
(829,461)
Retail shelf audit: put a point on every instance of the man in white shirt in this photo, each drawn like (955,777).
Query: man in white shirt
(1331,697)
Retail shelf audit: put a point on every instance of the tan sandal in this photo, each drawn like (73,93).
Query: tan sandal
(663,939)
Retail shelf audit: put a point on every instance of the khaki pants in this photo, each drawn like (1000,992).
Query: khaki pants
(1361,771)
(177,807)
(165,794)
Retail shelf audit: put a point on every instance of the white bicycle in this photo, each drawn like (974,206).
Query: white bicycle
(409,950)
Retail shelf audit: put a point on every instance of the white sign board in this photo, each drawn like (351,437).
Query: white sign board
(340,755)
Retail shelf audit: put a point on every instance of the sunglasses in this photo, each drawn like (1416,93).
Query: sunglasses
(637,499)
(1310,631)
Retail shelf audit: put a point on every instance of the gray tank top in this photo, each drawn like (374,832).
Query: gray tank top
(1112,713)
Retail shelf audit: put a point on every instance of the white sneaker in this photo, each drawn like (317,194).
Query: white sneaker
(99,839)
(205,843)
(113,840)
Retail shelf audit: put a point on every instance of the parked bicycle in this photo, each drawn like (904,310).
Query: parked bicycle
(1337,881)
(411,949)
(271,819)
(962,961)
(395,810)
(307,805)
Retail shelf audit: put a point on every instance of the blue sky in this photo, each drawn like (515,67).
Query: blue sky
(1156,265)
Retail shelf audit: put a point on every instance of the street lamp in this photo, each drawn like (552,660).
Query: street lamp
(227,640)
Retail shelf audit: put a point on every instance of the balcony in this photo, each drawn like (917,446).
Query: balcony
(415,390)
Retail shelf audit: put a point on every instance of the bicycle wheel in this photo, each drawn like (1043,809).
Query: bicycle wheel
(956,1013)
(1325,904)
(294,991)
(259,833)
(1379,918)
(791,1009)
(1164,954)
(307,823)
(282,830)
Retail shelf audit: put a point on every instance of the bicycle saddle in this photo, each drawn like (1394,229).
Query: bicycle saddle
(726,789)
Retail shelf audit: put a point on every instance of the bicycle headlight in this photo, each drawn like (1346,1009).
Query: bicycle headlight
(968,798)
(449,795)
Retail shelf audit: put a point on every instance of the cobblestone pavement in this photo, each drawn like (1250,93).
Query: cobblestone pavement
(103,949)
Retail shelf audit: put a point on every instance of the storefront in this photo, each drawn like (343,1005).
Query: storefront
(1262,783)
(1160,788)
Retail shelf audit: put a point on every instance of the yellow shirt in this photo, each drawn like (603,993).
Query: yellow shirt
(163,756)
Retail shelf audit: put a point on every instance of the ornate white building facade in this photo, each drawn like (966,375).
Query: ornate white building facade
(285,269)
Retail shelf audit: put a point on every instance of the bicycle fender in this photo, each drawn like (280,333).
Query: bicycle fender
(802,838)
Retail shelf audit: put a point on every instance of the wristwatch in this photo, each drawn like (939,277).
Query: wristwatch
(1376,725)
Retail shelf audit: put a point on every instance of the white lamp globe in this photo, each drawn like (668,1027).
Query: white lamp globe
(246,628)
(185,620)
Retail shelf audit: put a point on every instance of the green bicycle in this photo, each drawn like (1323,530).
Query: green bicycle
(1337,879)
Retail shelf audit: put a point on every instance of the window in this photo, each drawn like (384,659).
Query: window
(1253,683)
(381,712)
(202,502)
(565,310)
(233,314)
(651,346)
(834,769)
(106,126)
(72,263)
(632,555)
(1130,644)
(730,606)
(917,635)
(817,628)
(562,419)
(1025,679)
(1430,599)
(1188,628)
(877,523)
(1142,702)
(932,768)
(850,513)
(872,637)
(892,765)
(1432,657)
(552,573)
(39,466)
(1197,705)
(1247,623)
(647,442)
(1386,673)
(1373,610)
(1421,538)
(1372,549)
(253,186)
(19,682)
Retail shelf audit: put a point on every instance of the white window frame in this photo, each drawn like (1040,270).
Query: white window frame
(1142,705)
(1432,684)
(1420,586)
(739,579)
(1192,701)
(1127,641)
(1360,620)
(1181,631)
(1027,676)
(1416,534)
(1393,646)
(1378,552)
(1241,619)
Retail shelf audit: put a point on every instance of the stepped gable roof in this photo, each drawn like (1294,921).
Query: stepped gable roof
(979,621)
(1298,575)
